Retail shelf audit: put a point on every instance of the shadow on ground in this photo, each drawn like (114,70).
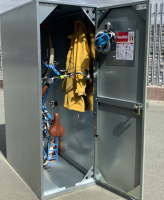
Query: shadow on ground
(3,139)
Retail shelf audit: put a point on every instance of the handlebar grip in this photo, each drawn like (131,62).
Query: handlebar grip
(51,60)
(44,90)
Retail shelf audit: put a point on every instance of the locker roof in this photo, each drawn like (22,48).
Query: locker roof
(85,3)
(72,2)
(64,2)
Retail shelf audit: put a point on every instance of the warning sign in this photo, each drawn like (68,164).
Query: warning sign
(141,7)
(125,46)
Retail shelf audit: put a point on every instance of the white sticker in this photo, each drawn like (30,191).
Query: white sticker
(141,6)
(125,46)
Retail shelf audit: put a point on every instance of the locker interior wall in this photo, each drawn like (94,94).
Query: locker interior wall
(78,140)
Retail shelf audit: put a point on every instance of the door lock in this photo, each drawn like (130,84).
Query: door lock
(138,108)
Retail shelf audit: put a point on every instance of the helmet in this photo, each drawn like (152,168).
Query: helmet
(105,39)
(102,42)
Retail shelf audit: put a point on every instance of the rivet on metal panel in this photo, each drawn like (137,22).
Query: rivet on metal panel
(89,174)
(89,13)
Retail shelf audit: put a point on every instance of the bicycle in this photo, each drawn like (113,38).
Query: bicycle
(48,135)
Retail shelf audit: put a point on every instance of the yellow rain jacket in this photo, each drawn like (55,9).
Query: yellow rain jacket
(78,58)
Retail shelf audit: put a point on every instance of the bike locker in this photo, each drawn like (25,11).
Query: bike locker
(103,145)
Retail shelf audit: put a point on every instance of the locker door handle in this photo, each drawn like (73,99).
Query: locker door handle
(137,109)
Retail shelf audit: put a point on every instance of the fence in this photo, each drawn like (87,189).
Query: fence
(156,54)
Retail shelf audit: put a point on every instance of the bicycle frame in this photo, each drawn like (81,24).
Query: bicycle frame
(49,156)
(47,116)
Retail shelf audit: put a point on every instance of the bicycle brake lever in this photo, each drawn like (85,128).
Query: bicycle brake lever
(87,77)
(62,71)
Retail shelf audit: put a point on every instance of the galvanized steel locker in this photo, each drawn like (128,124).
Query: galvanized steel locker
(108,141)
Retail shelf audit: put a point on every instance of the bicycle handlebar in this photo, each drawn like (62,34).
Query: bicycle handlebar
(52,80)
(52,67)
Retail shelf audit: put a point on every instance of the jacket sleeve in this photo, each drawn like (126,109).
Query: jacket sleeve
(64,85)
(82,60)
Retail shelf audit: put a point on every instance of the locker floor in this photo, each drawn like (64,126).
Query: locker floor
(62,175)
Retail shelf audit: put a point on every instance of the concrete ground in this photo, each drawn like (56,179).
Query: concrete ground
(14,188)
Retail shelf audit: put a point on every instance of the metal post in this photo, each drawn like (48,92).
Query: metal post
(163,55)
(154,42)
(159,44)
(149,46)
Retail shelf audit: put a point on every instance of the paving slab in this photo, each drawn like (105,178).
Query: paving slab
(12,187)
(154,152)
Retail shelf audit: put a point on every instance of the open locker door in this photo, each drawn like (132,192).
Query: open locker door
(120,99)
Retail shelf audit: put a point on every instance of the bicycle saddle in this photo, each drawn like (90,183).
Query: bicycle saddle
(56,130)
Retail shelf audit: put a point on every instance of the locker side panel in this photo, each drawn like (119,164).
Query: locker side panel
(22,82)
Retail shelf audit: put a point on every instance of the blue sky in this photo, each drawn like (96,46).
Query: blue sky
(9,4)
